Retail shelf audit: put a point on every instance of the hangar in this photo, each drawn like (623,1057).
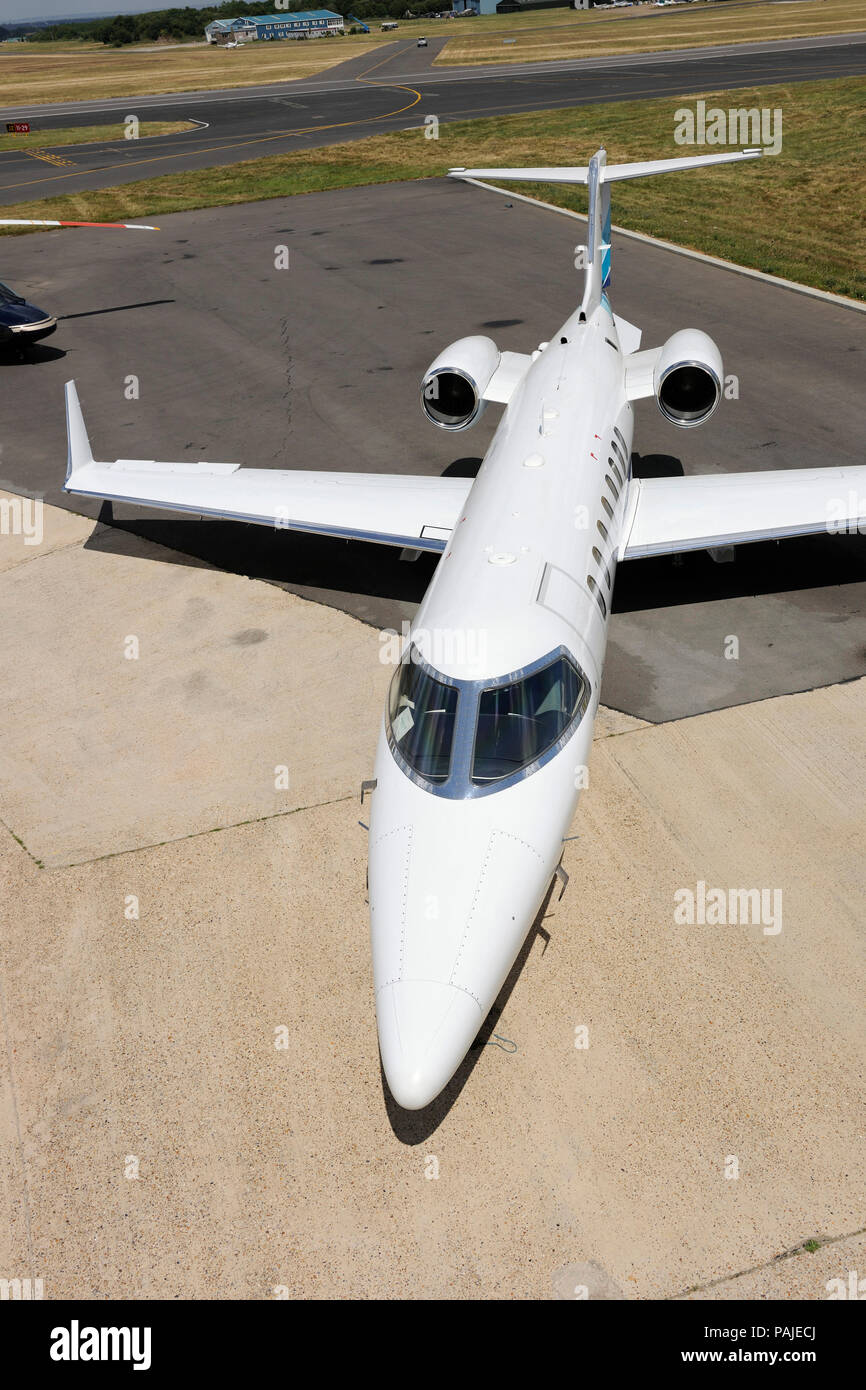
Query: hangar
(302,24)
(225,31)
(515,6)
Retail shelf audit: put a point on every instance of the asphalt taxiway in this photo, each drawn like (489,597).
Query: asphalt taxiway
(386,90)
(318,366)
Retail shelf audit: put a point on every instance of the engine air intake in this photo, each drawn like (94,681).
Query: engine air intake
(454,385)
(688,378)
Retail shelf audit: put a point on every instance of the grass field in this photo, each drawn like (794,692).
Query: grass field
(798,215)
(82,135)
(80,72)
(552,34)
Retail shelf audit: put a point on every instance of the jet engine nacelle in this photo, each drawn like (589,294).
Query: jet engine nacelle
(687,380)
(452,392)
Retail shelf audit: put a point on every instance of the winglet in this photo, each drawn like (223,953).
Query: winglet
(79,451)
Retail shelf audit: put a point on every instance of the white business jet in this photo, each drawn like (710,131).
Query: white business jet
(488,725)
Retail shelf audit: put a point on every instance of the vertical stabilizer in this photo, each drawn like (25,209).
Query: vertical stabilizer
(598,235)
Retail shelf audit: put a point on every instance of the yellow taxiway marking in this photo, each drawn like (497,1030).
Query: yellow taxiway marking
(49,158)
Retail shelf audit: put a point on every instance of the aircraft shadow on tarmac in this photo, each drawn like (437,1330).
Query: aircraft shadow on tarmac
(324,566)
(415,1126)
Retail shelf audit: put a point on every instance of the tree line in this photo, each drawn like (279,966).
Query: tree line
(188,23)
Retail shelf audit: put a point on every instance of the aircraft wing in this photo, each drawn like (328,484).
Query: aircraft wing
(415,512)
(667,515)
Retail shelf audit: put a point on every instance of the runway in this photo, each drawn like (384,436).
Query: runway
(319,366)
(389,90)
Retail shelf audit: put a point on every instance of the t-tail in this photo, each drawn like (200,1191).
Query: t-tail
(598,175)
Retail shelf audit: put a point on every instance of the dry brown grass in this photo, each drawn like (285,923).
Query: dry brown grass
(84,71)
(587,34)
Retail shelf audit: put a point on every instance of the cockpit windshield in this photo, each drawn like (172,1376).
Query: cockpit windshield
(423,713)
(461,738)
(517,723)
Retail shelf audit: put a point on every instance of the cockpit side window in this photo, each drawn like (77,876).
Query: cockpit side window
(422,716)
(517,723)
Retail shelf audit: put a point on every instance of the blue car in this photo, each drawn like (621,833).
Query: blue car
(21,323)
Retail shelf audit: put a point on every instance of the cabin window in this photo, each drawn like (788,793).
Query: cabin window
(616,469)
(599,596)
(520,721)
(422,713)
(602,530)
(612,485)
(608,508)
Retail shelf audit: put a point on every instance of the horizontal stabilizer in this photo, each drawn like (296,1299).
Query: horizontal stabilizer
(612,173)
(608,173)
(564,175)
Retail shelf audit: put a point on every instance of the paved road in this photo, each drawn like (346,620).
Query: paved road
(319,366)
(388,90)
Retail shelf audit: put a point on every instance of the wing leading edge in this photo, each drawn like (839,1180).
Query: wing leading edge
(413,512)
(668,515)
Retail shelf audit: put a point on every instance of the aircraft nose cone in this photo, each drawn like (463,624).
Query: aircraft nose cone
(425,1030)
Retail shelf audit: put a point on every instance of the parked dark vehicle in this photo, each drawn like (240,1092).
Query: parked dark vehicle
(22,323)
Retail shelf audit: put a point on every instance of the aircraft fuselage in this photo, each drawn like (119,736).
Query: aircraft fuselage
(459,865)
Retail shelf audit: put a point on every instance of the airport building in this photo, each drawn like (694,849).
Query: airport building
(300,24)
(230,31)
(515,6)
